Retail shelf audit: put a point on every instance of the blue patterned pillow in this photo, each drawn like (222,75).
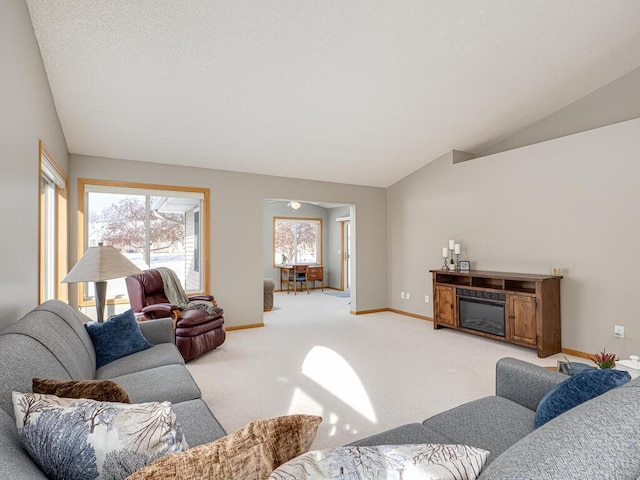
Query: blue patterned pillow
(117,337)
(84,439)
(576,390)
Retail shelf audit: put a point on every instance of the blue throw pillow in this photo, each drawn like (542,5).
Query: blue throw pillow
(117,337)
(576,390)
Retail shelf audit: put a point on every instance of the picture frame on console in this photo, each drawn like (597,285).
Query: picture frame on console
(465,265)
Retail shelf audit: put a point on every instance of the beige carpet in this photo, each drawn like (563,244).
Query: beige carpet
(362,374)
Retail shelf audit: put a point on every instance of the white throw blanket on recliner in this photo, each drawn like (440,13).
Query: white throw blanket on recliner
(173,288)
(177,296)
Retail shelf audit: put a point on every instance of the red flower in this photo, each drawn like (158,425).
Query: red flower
(604,359)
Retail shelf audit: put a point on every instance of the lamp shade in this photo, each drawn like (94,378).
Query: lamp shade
(99,264)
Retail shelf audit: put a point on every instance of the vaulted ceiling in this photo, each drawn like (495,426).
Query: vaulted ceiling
(362,92)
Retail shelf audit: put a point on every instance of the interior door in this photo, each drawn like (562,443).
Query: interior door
(346,255)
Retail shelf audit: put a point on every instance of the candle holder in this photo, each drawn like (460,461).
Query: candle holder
(445,258)
(452,262)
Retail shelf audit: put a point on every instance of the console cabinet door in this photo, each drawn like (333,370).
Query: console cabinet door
(522,318)
(445,303)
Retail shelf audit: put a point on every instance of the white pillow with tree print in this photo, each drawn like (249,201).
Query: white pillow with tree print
(86,439)
(389,462)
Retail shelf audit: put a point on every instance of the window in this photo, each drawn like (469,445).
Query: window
(153,226)
(297,240)
(53,227)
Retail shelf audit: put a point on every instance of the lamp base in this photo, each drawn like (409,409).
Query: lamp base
(101,297)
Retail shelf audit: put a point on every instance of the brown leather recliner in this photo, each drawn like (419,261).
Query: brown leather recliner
(197,331)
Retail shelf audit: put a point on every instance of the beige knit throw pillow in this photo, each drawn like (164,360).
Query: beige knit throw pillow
(250,453)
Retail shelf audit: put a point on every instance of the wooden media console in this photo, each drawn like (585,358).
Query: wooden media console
(518,308)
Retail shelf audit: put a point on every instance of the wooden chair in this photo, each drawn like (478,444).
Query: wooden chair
(298,274)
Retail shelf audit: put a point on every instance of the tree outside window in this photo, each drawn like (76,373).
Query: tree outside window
(297,240)
(122,225)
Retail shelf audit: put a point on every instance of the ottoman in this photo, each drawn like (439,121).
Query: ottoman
(269,285)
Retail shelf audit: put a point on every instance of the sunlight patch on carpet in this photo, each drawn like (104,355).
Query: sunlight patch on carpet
(333,373)
(302,402)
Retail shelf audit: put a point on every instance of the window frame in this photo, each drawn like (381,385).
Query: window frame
(297,219)
(50,169)
(82,230)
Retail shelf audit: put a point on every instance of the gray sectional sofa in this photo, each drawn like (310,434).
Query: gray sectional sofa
(51,342)
(597,440)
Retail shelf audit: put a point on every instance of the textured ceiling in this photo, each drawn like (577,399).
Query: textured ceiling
(362,91)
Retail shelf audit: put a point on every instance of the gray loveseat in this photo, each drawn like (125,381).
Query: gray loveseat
(597,440)
(51,342)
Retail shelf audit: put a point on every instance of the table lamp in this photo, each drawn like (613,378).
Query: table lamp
(99,264)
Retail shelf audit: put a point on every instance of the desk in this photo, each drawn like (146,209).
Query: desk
(286,272)
(315,273)
(312,273)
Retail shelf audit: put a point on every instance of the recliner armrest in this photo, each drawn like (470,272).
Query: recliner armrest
(208,298)
(158,330)
(523,382)
(159,310)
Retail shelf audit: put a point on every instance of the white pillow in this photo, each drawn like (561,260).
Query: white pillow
(388,462)
(86,439)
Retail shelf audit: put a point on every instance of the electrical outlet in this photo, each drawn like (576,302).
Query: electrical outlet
(407,295)
(618,331)
(402,295)
(426,299)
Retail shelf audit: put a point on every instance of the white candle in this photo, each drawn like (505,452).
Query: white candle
(452,244)
(457,249)
(445,252)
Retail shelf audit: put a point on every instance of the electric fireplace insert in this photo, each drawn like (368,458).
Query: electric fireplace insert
(482,311)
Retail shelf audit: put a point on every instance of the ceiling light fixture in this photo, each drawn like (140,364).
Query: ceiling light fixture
(294,205)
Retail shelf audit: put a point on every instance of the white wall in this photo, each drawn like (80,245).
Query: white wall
(570,202)
(612,103)
(237,234)
(27,114)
